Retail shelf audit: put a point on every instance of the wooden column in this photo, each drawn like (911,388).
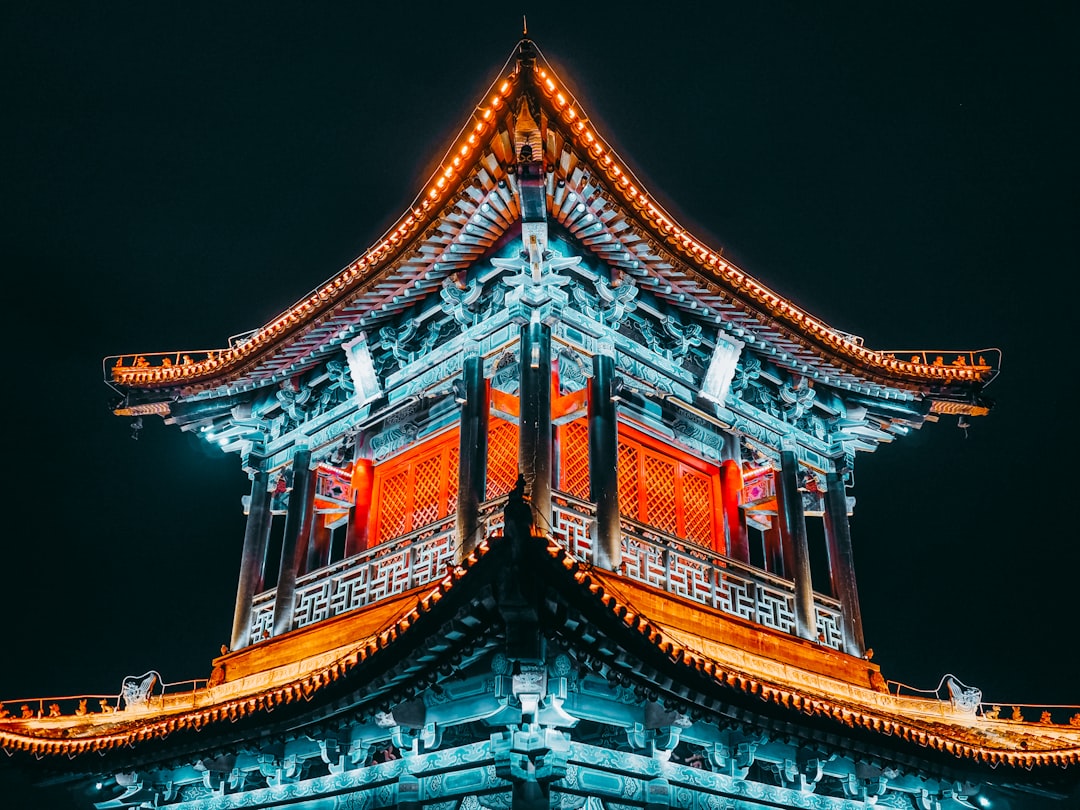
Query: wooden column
(603,463)
(363,483)
(472,462)
(534,447)
(796,549)
(256,534)
(841,562)
(738,544)
(294,541)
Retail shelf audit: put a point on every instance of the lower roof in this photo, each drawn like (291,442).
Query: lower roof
(706,661)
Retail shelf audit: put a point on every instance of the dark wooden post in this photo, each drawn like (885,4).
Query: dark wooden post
(294,541)
(796,549)
(256,534)
(318,536)
(472,464)
(603,463)
(534,447)
(774,548)
(841,562)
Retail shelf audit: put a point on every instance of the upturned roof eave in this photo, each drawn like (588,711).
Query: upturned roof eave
(387,668)
(709,269)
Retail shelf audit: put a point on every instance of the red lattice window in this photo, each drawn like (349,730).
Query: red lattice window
(574,459)
(502,461)
(672,491)
(415,489)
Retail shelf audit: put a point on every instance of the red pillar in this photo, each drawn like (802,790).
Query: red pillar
(731,484)
(363,482)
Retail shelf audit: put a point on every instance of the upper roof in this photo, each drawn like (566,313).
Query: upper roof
(473,202)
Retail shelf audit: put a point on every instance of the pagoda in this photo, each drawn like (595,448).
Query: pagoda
(549,508)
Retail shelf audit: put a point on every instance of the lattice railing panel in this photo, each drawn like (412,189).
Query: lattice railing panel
(352,590)
(376,574)
(432,557)
(737,596)
(690,577)
(313,604)
(775,609)
(644,562)
(571,530)
(262,620)
(829,622)
(389,575)
(722,583)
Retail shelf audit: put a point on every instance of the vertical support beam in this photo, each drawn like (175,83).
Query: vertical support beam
(472,463)
(796,549)
(534,447)
(841,562)
(731,483)
(603,463)
(774,549)
(294,542)
(256,534)
(363,484)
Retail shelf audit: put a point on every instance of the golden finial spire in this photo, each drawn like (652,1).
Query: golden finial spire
(524,26)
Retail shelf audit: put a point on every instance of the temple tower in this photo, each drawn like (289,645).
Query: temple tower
(549,507)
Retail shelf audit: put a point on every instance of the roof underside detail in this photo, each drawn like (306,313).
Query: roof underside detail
(473,202)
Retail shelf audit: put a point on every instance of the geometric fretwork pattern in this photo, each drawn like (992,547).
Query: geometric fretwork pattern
(364,579)
(669,491)
(453,460)
(697,507)
(681,568)
(629,490)
(502,461)
(574,459)
(416,488)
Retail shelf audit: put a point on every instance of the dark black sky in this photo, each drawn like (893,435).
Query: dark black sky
(176,173)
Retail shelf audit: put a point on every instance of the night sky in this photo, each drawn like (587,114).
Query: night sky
(176,173)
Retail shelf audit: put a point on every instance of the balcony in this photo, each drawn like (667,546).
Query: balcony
(648,556)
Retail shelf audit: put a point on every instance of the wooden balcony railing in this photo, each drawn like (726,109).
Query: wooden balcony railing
(648,556)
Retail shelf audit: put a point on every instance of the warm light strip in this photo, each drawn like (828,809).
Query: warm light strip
(136,376)
(673,233)
(713,261)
